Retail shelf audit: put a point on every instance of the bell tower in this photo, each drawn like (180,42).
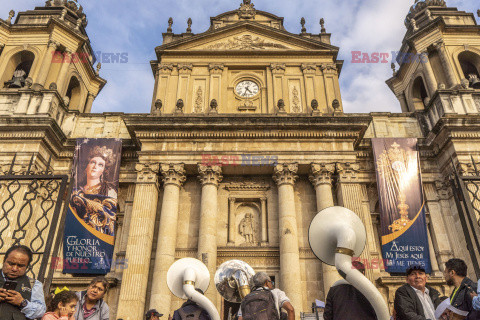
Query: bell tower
(439,62)
(46,61)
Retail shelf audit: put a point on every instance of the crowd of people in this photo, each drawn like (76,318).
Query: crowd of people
(22,297)
(415,300)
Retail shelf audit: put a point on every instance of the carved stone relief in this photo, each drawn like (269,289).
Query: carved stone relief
(246,42)
(247,222)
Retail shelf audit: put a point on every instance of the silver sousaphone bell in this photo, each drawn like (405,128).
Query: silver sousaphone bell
(233,280)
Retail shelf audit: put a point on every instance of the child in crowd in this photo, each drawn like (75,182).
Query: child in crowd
(62,306)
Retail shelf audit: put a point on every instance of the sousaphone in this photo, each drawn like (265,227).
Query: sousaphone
(233,280)
(186,275)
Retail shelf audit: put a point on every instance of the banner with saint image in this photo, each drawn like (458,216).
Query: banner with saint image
(91,215)
(404,235)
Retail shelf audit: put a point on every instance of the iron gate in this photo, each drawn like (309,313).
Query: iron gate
(466,190)
(30,203)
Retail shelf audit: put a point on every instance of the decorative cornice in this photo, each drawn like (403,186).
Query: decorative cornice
(210,174)
(173,173)
(252,134)
(347,171)
(246,186)
(285,173)
(321,173)
(147,173)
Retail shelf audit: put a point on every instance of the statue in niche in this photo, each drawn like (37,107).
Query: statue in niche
(247,228)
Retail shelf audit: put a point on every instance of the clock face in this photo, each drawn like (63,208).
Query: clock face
(247,89)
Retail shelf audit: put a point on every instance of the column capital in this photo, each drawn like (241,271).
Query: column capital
(285,173)
(210,174)
(147,172)
(165,68)
(216,68)
(232,199)
(278,68)
(321,173)
(439,45)
(347,171)
(184,68)
(263,199)
(308,68)
(52,44)
(173,173)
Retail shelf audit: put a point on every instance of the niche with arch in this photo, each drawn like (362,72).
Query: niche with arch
(18,69)
(470,64)
(419,94)
(247,224)
(74,94)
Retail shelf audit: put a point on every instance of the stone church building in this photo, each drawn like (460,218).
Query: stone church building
(245,142)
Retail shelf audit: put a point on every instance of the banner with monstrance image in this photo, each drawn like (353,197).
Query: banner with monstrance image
(91,215)
(402,204)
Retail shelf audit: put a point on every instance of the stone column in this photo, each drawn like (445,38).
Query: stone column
(440,46)
(263,202)
(62,75)
(351,194)
(429,75)
(231,221)
(46,63)
(290,279)
(131,304)
(321,178)
(210,177)
(88,105)
(173,178)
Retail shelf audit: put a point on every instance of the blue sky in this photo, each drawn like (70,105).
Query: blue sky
(135,27)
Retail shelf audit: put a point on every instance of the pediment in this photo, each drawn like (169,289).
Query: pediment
(247,37)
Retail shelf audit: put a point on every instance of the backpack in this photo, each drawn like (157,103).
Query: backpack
(259,305)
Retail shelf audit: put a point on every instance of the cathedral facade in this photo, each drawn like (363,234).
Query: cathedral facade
(245,142)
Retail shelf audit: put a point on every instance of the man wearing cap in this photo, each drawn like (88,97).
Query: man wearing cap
(415,300)
(153,314)
(456,275)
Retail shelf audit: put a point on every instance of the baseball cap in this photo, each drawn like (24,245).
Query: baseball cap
(152,312)
(415,267)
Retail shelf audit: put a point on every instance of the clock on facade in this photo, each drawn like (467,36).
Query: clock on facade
(247,89)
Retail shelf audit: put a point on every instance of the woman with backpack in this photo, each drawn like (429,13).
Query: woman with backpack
(91,305)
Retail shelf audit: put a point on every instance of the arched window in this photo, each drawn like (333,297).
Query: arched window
(18,69)
(470,63)
(74,94)
(419,94)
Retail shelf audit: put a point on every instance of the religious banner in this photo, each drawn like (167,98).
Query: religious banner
(90,223)
(402,204)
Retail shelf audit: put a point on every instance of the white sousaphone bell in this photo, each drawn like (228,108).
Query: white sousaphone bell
(336,234)
(184,276)
(233,280)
